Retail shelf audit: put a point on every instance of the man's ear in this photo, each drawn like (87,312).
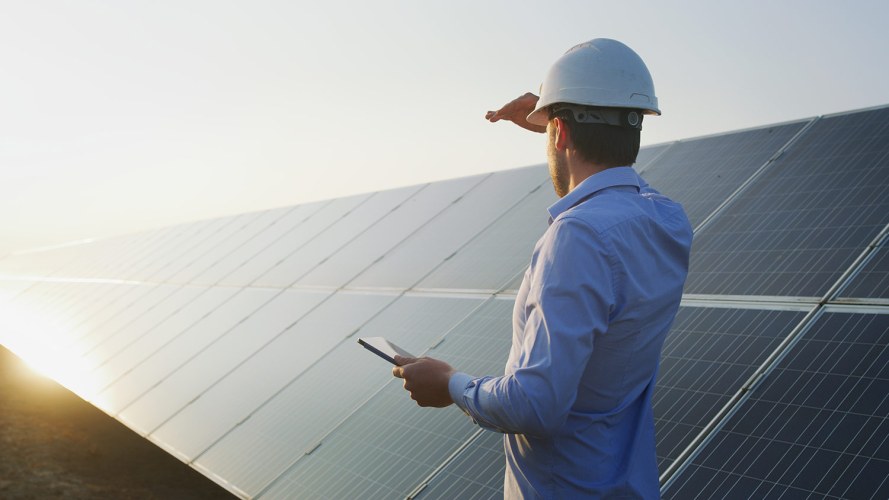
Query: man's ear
(563,139)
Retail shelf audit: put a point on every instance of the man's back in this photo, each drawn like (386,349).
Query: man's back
(591,316)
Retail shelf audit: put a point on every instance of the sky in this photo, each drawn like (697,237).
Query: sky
(116,117)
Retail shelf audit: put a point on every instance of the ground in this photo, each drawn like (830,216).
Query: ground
(55,445)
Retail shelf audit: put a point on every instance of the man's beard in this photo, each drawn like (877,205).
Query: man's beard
(558,170)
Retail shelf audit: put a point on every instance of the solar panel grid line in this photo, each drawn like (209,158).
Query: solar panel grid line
(395,325)
(267,220)
(66,257)
(476,473)
(303,233)
(222,334)
(184,238)
(181,268)
(116,323)
(653,160)
(715,423)
(836,399)
(844,151)
(383,262)
(276,240)
(101,352)
(724,355)
(696,354)
(825,423)
(230,414)
(749,301)
(239,363)
(242,300)
(439,210)
(468,243)
(128,246)
(709,433)
(425,482)
(867,256)
(345,339)
(232,245)
(416,289)
(148,310)
(734,195)
(372,397)
(294,277)
(128,358)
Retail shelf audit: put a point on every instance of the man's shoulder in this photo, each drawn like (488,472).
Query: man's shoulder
(601,214)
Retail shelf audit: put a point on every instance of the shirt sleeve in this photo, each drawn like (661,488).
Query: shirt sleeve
(569,302)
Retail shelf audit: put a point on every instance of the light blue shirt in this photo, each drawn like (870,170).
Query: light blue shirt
(597,300)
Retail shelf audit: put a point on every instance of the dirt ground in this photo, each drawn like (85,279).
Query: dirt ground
(55,445)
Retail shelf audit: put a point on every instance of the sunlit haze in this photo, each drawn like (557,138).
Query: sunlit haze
(123,116)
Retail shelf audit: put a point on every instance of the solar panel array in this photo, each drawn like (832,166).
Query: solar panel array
(231,342)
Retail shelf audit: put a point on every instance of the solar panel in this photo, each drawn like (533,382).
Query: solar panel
(702,173)
(215,338)
(475,473)
(173,349)
(873,279)
(170,260)
(708,356)
(297,418)
(270,230)
(817,425)
(797,228)
(238,393)
(389,445)
(493,257)
(347,262)
(118,337)
(138,347)
(335,236)
(294,239)
(407,263)
(217,358)
(648,155)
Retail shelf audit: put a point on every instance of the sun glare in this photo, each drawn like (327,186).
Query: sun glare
(45,341)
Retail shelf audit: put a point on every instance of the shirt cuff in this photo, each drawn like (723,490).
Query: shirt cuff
(457,386)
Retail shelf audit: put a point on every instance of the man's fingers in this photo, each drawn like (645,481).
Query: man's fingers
(398,372)
(404,360)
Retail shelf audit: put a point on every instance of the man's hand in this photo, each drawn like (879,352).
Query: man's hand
(426,379)
(517,111)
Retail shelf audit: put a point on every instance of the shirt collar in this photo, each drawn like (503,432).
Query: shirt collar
(610,177)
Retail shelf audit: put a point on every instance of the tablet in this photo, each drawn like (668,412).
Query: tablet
(384,349)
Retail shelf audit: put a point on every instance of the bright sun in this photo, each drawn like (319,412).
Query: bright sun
(46,341)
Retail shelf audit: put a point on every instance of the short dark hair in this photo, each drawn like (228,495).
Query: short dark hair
(607,145)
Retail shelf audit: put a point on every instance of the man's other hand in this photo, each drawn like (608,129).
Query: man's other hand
(517,111)
(426,379)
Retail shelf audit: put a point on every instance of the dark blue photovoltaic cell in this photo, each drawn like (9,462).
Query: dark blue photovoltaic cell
(708,355)
(816,427)
(702,173)
(476,473)
(803,222)
(873,279)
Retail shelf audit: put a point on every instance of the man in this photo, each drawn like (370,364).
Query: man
(597,300)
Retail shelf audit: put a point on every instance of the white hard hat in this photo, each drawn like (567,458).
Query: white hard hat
(600,73)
